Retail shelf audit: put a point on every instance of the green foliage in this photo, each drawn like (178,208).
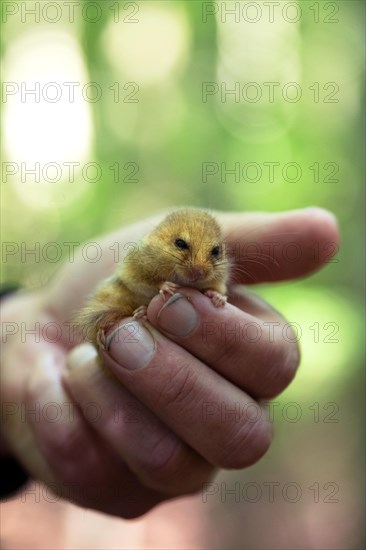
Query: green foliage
(188,116)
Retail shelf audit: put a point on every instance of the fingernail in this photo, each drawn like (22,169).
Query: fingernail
(178,316)
(131,345)
(81,355)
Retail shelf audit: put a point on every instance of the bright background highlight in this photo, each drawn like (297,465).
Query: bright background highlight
(138,75)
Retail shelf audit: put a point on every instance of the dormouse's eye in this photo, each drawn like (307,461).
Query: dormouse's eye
(215,252)
(180,243)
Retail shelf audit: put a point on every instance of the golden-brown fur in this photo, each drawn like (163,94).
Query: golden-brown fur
(159,264)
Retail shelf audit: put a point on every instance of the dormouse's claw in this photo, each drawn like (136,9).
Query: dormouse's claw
(220,301)
(168,288)
(161,292)
(216,298)
(140,312)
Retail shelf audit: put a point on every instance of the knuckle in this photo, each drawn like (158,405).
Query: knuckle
(179,387)
(66,450)
(61,441)
(245,445)
(162,457)
(173,468)
(291,363)
(283,364)
(70,445)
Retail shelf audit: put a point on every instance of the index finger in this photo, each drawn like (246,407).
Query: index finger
(280,246)
(263,246)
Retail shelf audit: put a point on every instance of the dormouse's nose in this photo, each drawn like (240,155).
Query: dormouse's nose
(196,273)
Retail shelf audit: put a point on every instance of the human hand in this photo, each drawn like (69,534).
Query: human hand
(122,448)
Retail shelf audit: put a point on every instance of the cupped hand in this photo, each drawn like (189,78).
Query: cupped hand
(184,393)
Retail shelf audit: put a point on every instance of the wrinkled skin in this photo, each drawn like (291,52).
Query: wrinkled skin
(124,442)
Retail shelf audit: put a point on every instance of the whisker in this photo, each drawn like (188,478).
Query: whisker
(259,263)
(176,257)
(257,259)
(239,270)
(253,256)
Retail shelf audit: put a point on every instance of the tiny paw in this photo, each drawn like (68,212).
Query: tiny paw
(216,298)
(140,312)
(168,288)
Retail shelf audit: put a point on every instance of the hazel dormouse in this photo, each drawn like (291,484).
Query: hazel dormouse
(185,250)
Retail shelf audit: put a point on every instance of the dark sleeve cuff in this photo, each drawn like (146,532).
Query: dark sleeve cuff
(13,475)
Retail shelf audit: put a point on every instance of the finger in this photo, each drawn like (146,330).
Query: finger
(151,450)
(264,247)
(86,470)
(279,246)
(180,389)
(249,351)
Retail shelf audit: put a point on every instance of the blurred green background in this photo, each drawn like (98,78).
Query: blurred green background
(139,106)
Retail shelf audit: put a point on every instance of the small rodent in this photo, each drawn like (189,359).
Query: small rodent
(185,249)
